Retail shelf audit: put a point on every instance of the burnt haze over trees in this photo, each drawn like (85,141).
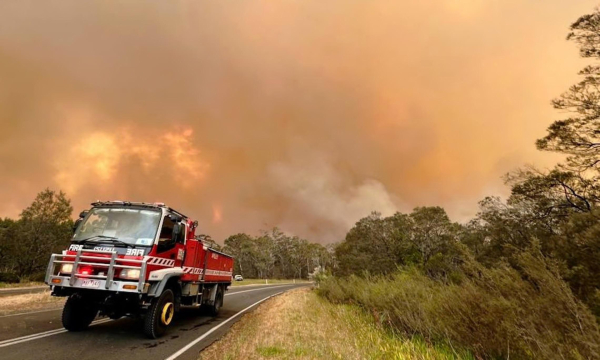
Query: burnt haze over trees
(524,272)
(557,209)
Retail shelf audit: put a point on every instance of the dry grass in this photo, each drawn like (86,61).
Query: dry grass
(266,282)
(4,285)
(300,325)
(29,302)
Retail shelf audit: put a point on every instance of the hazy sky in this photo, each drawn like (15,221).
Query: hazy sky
(303,114)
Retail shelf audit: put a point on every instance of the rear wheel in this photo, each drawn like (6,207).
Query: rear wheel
(214,308)
(160,314)
(78,313)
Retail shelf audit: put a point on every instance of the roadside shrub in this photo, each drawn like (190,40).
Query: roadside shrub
(8,277)
(499,312)
(39,276)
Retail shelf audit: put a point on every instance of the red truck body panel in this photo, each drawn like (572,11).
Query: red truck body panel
(202,263)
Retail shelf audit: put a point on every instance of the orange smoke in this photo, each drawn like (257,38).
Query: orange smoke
(302,114)
(217,214)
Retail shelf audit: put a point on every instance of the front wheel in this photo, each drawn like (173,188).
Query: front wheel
(78,313)
(160,314)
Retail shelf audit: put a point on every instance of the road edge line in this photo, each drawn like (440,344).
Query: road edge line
(21,339)
(31,312)
(203,336)
(243,291)
(25,288)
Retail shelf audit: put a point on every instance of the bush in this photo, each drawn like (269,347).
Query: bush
(38,276)
(8,277)
(500,312)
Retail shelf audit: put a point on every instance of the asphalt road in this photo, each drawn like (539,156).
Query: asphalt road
(40,334)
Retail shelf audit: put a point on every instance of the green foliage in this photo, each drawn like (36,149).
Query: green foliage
(377,245)
(502,231)
(493,312)
(9,277)
(43,227)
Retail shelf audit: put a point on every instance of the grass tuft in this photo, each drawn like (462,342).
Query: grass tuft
(269,351)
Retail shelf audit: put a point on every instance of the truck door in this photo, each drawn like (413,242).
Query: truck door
(170,244)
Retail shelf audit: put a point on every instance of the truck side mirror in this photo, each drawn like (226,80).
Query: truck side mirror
(83,214)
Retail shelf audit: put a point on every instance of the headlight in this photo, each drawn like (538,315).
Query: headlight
(132,274)
(66,268)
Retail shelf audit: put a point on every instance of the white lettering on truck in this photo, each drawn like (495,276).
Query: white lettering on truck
(135,252)
(74,247)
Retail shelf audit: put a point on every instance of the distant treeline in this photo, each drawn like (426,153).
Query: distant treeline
(276,255)
(522,279)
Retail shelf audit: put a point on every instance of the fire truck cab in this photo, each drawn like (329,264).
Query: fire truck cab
(138,260)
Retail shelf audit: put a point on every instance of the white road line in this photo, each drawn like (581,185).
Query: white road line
(298,283)
(188,346)
(29,336)
(239,292)
(31,312)
(42,335)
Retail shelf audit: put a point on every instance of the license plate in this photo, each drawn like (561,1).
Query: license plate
(90,283)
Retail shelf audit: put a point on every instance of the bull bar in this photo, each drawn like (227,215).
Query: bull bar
(106,282)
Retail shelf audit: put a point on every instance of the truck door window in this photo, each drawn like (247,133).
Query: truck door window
(181,235)
(165,240)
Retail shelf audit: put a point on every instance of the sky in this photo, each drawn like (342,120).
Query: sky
(301,114)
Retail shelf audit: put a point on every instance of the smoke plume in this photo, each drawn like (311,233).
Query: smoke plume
(305,115)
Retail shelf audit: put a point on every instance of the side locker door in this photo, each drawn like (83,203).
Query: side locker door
(190,272)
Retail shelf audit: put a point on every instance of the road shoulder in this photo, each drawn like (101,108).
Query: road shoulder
(25,303)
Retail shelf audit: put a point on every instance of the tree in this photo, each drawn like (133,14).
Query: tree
(579,135)
(239,246)
(7,234)
(380,245)
(432,230)
(264,256)
(368,246)
(44,227)
(273,254)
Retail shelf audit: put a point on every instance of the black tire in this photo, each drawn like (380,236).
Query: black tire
(213,309)
(78,313)
(154,323)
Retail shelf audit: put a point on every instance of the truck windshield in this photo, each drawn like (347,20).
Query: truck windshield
(133,226)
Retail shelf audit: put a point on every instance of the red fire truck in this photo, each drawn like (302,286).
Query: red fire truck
(137,259)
